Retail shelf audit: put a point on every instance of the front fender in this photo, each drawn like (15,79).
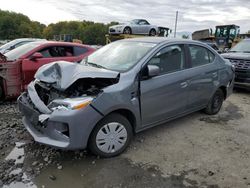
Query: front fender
(107,103)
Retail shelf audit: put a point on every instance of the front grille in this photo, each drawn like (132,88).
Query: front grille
(241,64)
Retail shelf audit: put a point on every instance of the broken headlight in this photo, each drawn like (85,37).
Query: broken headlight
(70,103)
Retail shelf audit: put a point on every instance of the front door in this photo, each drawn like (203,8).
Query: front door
(165,95)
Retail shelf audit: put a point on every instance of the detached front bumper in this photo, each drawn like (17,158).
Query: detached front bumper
(66,129)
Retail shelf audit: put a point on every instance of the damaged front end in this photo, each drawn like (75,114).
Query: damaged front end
(57,100)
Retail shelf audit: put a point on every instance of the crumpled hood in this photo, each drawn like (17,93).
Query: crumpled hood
(63,74)
(236,55)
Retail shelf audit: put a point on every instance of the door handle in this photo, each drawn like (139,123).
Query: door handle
(184,84)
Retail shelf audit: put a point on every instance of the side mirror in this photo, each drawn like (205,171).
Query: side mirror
(36,56)
(153,70)
(150,71)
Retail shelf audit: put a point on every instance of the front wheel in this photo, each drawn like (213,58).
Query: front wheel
(215,103)
(111,136)
(127,30)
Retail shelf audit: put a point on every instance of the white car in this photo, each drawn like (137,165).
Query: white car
(16,43)
(137,26)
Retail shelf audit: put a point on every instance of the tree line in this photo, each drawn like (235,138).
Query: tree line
(15,25)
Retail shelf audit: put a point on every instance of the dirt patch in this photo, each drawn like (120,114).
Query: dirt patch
(231,112)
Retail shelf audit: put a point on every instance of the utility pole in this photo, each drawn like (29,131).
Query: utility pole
(176,20)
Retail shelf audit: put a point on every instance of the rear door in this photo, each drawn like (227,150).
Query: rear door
(203,76)
(50,54)
(165,95)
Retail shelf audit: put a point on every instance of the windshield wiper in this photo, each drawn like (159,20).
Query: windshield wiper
(96,65)
(246,51)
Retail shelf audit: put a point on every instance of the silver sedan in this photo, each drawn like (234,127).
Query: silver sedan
(137,26)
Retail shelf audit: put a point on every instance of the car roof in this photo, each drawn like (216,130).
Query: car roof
(158,40)
(58,43)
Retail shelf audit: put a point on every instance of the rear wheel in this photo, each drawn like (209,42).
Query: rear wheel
(215,103)
(152,32)
(111,136)
(127,30)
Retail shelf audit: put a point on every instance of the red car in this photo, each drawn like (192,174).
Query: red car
(18,67)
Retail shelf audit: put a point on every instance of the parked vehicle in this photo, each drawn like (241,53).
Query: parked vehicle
(239,56)
(137,26)
(123,88)
(16,43)
(213,45)
(17,67)
(225,36)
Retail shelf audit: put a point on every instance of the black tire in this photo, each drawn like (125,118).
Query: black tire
(152,32)
(111,118)
(127,30)
(215,103)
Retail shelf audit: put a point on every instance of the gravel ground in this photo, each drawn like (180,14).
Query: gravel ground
(194,151)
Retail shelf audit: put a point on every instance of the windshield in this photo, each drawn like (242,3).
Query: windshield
(134,21)
(119,56)
(20,51)
(221,32)
(9,44)
(243,46)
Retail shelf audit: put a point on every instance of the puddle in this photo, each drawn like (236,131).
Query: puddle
(17,153)
(115,172)
(76,170)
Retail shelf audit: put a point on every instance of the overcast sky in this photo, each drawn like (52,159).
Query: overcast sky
(193,14)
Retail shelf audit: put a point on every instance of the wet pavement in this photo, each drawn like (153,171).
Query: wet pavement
(193,151)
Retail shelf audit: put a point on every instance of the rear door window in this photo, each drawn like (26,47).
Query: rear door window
(200,55)
(80,50)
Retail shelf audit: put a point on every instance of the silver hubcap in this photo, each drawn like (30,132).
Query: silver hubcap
(111,137)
